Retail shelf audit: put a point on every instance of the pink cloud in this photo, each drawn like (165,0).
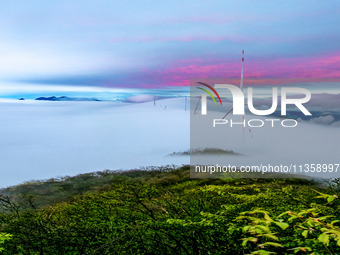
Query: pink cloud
(258,71)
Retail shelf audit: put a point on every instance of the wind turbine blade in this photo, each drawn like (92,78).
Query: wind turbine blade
(197,105)
(227,114)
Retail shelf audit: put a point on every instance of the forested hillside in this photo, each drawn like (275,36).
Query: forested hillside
(164,211)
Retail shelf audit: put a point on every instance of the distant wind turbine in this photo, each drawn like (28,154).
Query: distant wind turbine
(241,86)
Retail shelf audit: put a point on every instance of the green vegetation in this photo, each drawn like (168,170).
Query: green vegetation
(206,151)
(164,211)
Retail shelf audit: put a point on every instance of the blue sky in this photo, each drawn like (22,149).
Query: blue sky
(165,43)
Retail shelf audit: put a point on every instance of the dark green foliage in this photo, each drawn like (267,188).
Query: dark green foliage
(54,190)
(165,212)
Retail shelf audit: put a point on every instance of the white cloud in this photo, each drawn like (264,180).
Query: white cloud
(336,124)
(14,88)
(325,120)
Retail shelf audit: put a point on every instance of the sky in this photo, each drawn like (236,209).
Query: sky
(154,44)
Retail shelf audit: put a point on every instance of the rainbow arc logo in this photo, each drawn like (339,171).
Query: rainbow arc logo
(209,93)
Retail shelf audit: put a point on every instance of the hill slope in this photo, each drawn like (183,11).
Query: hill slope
(163,211)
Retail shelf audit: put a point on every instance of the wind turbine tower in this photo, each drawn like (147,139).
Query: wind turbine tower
(241,86)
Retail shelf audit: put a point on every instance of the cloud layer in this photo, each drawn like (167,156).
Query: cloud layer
(153,44)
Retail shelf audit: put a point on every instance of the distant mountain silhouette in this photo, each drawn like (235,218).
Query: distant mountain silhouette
(65,98)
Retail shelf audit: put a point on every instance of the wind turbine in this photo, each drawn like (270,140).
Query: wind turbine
(241,86)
